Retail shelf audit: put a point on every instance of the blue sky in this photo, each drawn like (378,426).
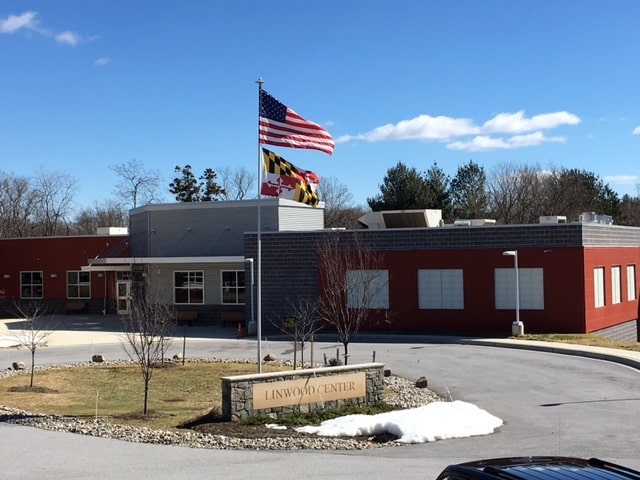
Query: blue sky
(86,85)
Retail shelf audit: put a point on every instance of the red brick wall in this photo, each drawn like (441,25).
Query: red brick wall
(51,255)
(611,314)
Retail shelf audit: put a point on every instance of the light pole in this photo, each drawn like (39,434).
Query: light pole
(252,321)
(517,328)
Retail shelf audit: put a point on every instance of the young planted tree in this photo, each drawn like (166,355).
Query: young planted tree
(353,287)
(147,331)
(36,330)
(302,324)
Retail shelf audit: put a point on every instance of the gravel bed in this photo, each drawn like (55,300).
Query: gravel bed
(404,395)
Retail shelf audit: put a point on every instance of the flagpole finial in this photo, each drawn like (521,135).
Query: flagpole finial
(260,81)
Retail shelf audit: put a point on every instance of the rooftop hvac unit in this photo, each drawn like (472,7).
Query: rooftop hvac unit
(480,222)
(588,217)
(112,231)
(462,223)
(401,219)
(591,217)
(553,219)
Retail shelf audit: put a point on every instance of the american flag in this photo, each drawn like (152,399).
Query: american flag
(282,127)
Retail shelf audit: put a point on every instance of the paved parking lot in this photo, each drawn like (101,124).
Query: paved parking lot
(552,404)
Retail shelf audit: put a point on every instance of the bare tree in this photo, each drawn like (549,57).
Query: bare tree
(146,335)
(109,213)
(515,192)
(630,207)
(37,328)
(237,184)
(521,194)
(339,208)
(18,202)
(302,324)
(353,289)
(55,196)
(137,185)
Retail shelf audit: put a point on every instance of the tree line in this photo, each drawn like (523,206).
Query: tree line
(42,204)
(510,194)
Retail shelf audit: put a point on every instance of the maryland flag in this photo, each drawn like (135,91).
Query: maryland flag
(285,180)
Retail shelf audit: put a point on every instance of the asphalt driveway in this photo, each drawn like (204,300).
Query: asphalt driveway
(552,404)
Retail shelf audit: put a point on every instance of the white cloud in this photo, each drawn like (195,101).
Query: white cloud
(533,139)
(13,23)
(68,37)
(622,179)
(483,143)
(27,21)
(526,132)
(423,127)
(636,131)
(102,61)
(518,123)
(479,144)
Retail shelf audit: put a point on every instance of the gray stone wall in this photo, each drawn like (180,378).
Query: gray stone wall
(237,391)
(627,332)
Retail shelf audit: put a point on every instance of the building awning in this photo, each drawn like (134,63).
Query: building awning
(123,264)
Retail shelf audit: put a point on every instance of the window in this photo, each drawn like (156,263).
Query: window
(233,286)
(30,284)
(631,282)
(531,283)
(616,294)
(368,289)
(123,276)
(78,285)
(440,289)
(188,287)
(598,286)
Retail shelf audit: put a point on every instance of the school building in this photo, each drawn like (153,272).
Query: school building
(202,258)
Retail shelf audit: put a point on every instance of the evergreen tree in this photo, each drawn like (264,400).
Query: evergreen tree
(187,188)
(468,191)
(402,188)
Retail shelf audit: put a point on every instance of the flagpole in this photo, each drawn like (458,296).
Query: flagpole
(259,242)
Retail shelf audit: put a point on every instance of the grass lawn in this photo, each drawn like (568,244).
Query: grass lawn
(177,393)
(583,339)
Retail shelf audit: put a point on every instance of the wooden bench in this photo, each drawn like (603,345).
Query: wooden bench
(233,317)
(185,317)
(75,307)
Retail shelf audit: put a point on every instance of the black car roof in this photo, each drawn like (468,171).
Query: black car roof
(544,468)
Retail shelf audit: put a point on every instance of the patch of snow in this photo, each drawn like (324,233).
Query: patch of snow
(435,421)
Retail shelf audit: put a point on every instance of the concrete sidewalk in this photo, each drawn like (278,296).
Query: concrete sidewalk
(75,330)
(72,330)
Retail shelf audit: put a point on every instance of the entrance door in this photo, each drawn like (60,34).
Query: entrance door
(123,290)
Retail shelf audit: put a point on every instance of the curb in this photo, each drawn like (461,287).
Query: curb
(623,357)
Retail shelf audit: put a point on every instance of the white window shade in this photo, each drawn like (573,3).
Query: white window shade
(441,289)
(598,286)
(631,282)
(368,289)
(531,282)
